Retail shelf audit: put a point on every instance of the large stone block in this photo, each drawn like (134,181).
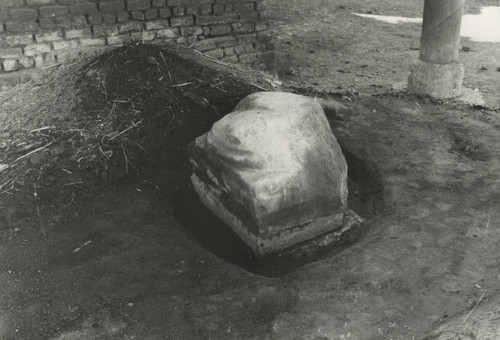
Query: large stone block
(273,171)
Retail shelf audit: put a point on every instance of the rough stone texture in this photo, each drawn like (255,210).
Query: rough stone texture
(273,170)
(436,80)
(75,22)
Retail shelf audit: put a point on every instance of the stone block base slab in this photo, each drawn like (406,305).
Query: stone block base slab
(436,80)
(231,213)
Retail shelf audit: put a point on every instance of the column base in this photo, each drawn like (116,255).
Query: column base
(436,80)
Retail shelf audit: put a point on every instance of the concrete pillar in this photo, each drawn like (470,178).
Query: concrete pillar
(438,73)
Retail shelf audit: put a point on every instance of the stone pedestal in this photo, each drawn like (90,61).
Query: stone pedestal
(436,80)
(273,171)
(437,73)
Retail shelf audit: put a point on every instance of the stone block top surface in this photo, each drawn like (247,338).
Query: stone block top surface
(278,158)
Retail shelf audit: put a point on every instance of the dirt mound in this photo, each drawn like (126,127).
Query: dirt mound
(130,111)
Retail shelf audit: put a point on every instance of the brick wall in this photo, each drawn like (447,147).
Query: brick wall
(39,33)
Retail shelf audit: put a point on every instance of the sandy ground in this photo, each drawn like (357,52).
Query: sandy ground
(322,44)
(132,258)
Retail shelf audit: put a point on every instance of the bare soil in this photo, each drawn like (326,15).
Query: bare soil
(101,236)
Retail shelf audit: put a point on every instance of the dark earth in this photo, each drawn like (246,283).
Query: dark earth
(101,236)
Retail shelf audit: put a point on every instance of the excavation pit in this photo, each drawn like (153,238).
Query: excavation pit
(214,235)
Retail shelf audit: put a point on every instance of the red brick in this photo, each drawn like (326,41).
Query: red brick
(192,30)
(138,15)
(16,39)
(168,33)
(201,2)
(79,21)
(244,6)
(65,45)
(261,47)
(228,51)
(119,39)
(159,3)
(48,36)
(246,38)
(53,11)
(151,14)
(143,36)
(15,26)
(23,14)
(92,42)
(10,65)
(220,30)
(249,17)
(105,30)
(173,3)
(95,18)
(134,5)
(219,9)
(4,15)
(181,41)
(130,26)
(225,41)
(157,24)
(178,11)
(218,53)
(205,9)
(26,62)
(78,33)
(192,10)
(109,19)
(65,55)
(205,45)
(49,59)
(122,16)
(112,6)
(10,3)
(83,8)
(243,28)
(216,19)
(239,49)
(64,21)
(249,47)
(16,52)
(47,23)
(165,13)
(182,21)
(36,49)
(40,2)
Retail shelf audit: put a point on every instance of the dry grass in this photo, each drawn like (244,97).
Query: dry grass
(27,120)
(100,110)
(42,114)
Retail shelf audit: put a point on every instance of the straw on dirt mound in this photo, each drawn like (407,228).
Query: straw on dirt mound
(128,110)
